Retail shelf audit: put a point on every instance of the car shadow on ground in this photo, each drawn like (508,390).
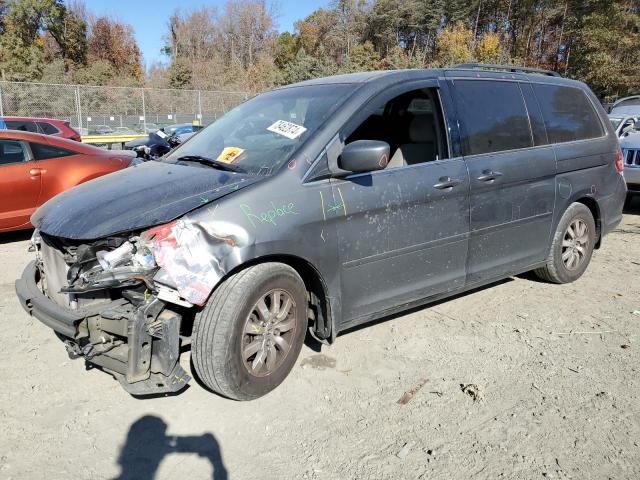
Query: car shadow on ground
(17,236)
(425,306)
(147,444)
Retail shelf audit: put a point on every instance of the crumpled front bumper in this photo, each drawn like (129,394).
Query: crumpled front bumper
(36,304)
(146,363)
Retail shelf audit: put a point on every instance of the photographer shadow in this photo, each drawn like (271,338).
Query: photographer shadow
(148,443)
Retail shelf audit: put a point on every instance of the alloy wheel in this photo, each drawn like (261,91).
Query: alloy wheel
(575,244)
(268,332)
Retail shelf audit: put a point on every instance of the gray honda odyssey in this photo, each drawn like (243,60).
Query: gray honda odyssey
(318,207)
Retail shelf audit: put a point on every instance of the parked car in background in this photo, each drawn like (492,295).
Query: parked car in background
(318,207)
(623,124)
(148,128)
(626,106)
(631,154)
(181,130)
(46,126)
(101,130)
(35,167)
(125,131)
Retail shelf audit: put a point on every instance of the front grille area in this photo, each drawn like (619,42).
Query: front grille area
(55,273)
(631,157)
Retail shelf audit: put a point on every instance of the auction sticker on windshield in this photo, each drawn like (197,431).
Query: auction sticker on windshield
(230,154)
(287,129)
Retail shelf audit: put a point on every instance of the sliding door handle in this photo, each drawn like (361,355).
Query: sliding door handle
(489,176)
(447,182)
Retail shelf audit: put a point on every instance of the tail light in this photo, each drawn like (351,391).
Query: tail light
(619,163)
(75,135)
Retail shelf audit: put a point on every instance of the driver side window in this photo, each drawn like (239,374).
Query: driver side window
(413,126)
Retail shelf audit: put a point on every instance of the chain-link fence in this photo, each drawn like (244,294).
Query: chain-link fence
(121,109)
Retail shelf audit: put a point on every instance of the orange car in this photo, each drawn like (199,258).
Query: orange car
(35,167)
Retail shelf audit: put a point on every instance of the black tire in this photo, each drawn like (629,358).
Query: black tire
(220,334)
(628,201)
(556,269)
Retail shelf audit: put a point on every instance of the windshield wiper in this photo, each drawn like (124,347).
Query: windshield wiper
(211,162)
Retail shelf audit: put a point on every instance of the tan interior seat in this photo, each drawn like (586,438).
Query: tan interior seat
(423,143)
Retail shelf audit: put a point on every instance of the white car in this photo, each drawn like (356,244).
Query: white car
(624,124)
(630,144)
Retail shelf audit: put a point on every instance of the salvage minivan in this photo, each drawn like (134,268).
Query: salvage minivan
(318,207)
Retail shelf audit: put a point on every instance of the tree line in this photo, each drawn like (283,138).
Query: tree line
(238,47)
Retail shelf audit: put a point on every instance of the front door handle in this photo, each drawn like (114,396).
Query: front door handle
(35,172)
(489,176)
(447,182)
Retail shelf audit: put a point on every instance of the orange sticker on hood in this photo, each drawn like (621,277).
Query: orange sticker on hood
(230,154)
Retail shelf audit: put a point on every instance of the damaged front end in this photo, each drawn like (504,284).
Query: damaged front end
(111,304)
(124,302)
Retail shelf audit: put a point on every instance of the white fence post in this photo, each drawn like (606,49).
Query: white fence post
(144,113)
(1,102)
(79,109)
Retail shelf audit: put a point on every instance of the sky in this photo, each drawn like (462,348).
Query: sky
(149,17)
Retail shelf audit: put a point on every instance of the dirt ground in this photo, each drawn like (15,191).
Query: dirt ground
(550,377)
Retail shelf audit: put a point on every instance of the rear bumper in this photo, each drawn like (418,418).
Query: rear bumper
(143,350)
(611,207)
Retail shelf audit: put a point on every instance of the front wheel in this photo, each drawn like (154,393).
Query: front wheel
(248,337)
(628,200)
(572,246)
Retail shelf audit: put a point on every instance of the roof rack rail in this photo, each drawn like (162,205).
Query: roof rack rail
(507,68)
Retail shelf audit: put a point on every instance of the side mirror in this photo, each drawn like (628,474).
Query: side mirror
(364,156)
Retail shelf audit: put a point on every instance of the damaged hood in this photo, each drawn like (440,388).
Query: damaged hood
(135,198)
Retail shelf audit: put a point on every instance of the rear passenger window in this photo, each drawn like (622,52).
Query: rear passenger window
(493,116)
(47,128)
(22,126)
(43,152)
(11,151)
(568,113)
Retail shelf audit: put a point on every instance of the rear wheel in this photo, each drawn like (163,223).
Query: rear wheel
(572,246)
(248,337)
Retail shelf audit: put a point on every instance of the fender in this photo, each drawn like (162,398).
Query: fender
(206,246)
(567,192)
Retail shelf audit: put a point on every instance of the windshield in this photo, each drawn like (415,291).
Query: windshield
(615,121)
(262,134)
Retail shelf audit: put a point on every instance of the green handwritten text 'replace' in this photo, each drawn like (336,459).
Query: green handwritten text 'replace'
(268,216)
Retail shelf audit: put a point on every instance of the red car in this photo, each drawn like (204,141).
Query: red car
(48,126)
(35,167)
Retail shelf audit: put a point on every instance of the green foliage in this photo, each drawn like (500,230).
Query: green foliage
(40,37)
(68,30)
(305,67)
(180,74)
(454,45)
(362,57)
(605,55)
(98,72)
(285,49)
(237,46)
(489,49)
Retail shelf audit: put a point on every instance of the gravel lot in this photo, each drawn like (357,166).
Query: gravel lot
(554,393)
